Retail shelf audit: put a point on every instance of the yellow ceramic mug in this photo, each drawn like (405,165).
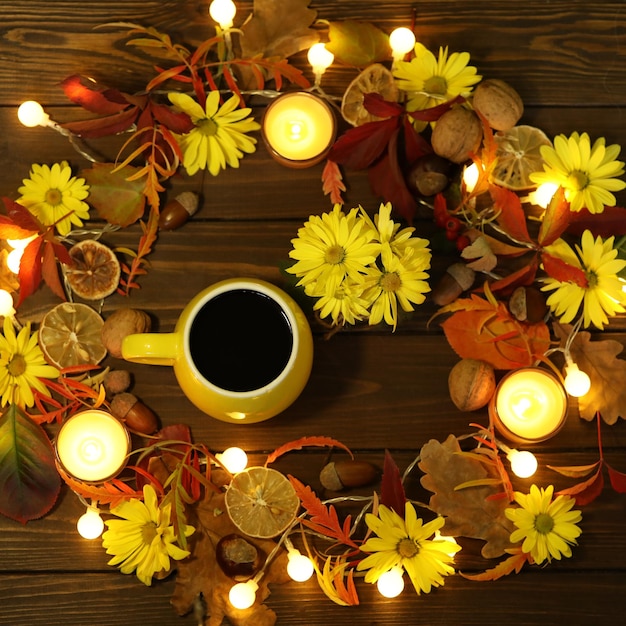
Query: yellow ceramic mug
(242,350)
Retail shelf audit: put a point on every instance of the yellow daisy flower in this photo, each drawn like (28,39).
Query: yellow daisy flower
(330,247)
(56,197)
(429,81)
(219,137)
(587,173)
(603,296)
(407,543)
(22,364)
(345,304)
(547,527)
(143,540)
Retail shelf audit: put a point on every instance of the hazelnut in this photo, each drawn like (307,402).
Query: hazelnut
(498,103)
(177,211)
(134,413)
(120,324)
(336,476)
(527,304)
(457,134)
(471,383)
(116,381)
(429,175)
(238,558)
(457,279)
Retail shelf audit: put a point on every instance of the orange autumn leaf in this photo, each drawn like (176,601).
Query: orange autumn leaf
(485,330)
(514,563)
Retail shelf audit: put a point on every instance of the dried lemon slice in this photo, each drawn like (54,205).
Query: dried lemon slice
(518,155)
(373,79)
(69,334)
(261,502)
(96,270)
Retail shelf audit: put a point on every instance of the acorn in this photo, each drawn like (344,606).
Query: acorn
(177,211)
(471,384)
(457,279)
(528,304)
(134,413)
(238,558)
(429,175)
(339,475)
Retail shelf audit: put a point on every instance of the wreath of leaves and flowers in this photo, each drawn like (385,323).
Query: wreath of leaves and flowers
(193,115)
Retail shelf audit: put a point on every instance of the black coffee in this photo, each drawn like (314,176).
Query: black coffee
(240,340)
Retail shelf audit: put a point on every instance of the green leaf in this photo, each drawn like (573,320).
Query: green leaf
(115,198)
(357,43)
(29,481)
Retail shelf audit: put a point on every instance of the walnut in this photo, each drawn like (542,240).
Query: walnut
(457,134)
(498,103)
(472,383)
(120,324)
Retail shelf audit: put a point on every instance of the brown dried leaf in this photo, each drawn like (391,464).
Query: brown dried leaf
(598,359)
(200,573)
(468,512)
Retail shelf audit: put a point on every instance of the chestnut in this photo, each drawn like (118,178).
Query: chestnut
(238,558)
(429,175)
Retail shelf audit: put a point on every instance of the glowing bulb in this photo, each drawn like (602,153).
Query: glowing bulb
(233,459)
(523,464)
(320,58)
(243,595)
(300,568)
(6,304)
(470,177)
(223,12)
(576,383)
(543,194)
(454,549)
(14,259)
(31,114)
(401,40)
(90,524)
(21,243)
(391,583)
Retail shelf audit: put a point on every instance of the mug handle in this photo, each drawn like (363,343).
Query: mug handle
(151,348)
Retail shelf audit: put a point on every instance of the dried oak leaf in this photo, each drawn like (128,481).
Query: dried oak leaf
(598,359)
(468,512)
(200,573)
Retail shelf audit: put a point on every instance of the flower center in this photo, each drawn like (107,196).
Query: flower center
(407,548)
(592,279)
(544,523)
(390,282)
(17,365)
(577,180)
(148,532)
(207,127)
(334,255)
(436,86)
(53,197)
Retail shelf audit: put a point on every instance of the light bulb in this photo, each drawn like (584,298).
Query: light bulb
(449,539)
(401,40)
(576,383)
(243,595)
(320,58)
(543,194)
(523,464)
(391,583)
(223,12)
(90,524)
(299,567)
(31,114)
(233,459)
(6,304)
(470,177)
(14,259)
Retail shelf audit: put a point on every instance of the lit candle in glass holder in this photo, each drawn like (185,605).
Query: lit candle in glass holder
(529,405)
(299,129)
(93,445)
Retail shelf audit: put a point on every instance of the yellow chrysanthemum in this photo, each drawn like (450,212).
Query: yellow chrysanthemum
(332,246)
(429,81)
(587,173)
(219,137)
(603,296)
(407,543)
(345,304)
(22,364)
(56,197)
(143,540)
(547,527)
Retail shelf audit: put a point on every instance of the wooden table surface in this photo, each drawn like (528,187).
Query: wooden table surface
(370,388)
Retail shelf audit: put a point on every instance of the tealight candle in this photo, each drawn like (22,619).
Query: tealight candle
(529,405)
(93,445)
(299,129)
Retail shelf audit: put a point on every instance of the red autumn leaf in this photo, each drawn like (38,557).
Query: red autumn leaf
(555,220)
(434,113)
(511,218)
(523,276)
(30,269)
(586,491)
(86,93)
(618,479)
(20,216)
(332,182)
(298,444)
(378,106)
(177,122)
(575,471)
(562,271)
(50,270)
(391,489)
(360,146)
(612,221)
(440,208)
(415,145)
(103,126)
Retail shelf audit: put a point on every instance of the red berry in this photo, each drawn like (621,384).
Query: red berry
(452,235)
(453,224)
